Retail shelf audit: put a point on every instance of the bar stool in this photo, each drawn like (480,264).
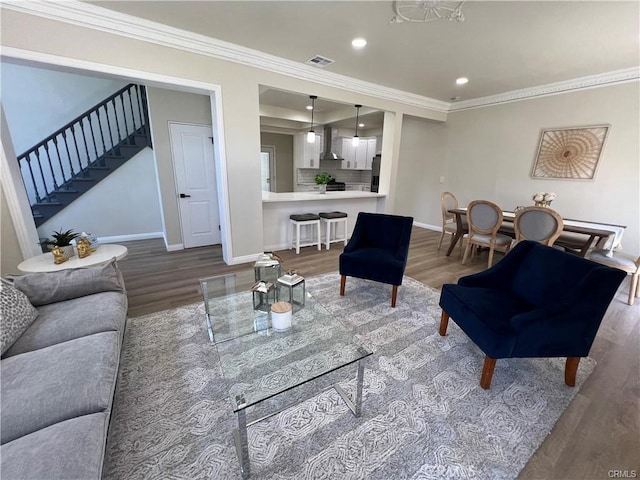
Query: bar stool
(330,220)
(304,219)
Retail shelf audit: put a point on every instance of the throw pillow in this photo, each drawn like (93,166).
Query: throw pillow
(51,287)
(17,315)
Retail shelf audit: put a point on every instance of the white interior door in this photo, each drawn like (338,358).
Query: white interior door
(268,161)
(266,177)
(193,160)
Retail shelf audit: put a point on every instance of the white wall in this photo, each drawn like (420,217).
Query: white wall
(172,106)
(490,153)
(125,203)
(422,163)
(37,102)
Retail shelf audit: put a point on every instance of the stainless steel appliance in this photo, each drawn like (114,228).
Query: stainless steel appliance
(329,152)
(375,173)
(334,186)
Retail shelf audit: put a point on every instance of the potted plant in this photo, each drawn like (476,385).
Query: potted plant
(322,179)
(63,241)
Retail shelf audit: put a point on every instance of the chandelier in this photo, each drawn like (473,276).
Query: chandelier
(426,11)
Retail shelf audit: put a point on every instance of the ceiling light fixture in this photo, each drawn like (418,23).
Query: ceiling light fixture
(462,80)
(361,125)
(356,140)
(427,11)
(311,135)
(358,42)
(309,107)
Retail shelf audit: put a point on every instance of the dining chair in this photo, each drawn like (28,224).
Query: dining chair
(448,201)
(485,219)
(540,224)
(622,261)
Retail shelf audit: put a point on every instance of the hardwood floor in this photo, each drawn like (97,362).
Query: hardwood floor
(598,435)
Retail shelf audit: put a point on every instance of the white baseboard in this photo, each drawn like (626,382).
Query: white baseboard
(175,247)
(131,237)
(437,228)
(275,248)
(244,259)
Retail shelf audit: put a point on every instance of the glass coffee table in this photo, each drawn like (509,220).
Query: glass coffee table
(260,364)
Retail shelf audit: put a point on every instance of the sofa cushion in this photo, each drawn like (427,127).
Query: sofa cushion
(17,314)
(57,383)
(63,321)
(50,287)
(73,449)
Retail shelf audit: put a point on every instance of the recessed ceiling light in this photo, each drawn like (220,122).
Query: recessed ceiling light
(358,42)
(309,107)
(361,125)
(461,80)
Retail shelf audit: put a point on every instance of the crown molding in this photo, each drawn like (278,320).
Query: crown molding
(583,83)
(98,18)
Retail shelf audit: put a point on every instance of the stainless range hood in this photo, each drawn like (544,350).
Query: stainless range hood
(329,152)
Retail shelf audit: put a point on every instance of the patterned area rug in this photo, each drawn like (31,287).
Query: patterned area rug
(424,413)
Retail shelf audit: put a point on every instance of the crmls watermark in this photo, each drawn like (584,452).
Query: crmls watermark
(622,474)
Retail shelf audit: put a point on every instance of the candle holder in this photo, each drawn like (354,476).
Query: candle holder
(291,288)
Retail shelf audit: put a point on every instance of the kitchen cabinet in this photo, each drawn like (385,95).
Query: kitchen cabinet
(306,155)
(360,157)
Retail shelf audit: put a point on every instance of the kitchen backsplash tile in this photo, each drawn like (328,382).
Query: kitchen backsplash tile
(308,175)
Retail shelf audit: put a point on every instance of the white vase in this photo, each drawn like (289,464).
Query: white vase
(323,188)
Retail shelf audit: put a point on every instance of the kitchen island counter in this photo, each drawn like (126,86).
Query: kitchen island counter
(277,207)
(270,197)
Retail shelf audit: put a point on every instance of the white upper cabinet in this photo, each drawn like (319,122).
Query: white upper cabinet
(306,155)
(360,157)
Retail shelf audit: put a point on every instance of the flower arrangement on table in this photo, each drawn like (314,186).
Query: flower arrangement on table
(543,199)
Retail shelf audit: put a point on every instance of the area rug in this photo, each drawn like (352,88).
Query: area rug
(424,414)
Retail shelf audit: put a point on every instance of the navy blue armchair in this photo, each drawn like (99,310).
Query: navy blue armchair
(538,301)
(378,250)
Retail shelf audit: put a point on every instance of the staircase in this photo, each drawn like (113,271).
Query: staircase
(75,158)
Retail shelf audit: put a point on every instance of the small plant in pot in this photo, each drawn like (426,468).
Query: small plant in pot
(322,179)
(63,241)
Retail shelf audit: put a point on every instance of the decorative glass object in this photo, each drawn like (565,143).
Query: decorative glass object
(291,288)
(267,268)
(264,295)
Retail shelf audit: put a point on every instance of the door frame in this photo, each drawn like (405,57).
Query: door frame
(24,224)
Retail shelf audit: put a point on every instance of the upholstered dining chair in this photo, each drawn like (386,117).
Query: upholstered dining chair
(540,224)
(448,201)
(485,219)
(624,262)
(378,250)
(538,301)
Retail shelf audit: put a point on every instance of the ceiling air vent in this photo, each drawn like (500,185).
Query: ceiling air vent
(319,61)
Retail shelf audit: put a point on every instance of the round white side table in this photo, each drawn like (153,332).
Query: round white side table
(44,262)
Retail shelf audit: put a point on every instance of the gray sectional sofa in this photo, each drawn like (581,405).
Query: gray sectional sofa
(58,378)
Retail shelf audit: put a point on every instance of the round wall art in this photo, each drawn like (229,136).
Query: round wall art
(570,152)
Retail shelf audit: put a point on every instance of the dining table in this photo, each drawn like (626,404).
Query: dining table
(604,236)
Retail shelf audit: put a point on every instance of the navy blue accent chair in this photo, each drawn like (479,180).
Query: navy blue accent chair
(538,301)
(378,250)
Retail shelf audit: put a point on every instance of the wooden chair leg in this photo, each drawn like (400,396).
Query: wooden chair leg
(633,288)
(490,262)
(466,252)
(487,372)
(441,238)
(394,295)
(343,282)
(444,323)
(570,371)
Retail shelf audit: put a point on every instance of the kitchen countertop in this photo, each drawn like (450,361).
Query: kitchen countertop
(269,197)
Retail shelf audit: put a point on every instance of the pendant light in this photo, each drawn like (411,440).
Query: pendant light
(311,135)
(355,141)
